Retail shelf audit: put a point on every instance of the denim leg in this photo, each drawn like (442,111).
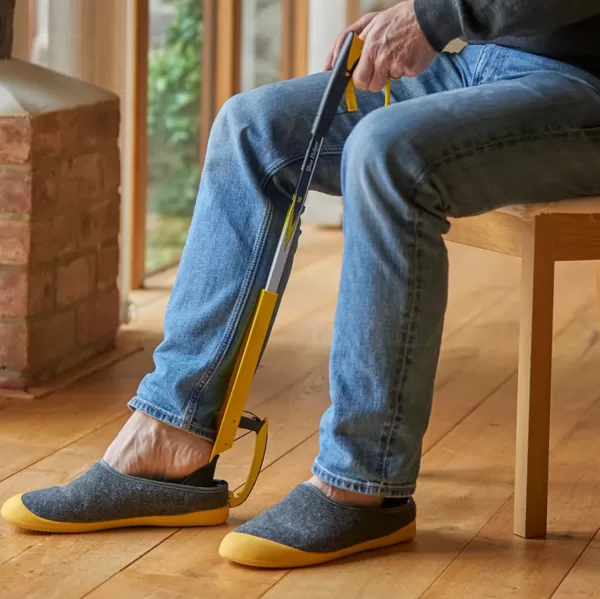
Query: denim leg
(526,130)
(254,155)
(239,212)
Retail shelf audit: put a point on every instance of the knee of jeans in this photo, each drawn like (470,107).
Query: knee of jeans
(248,108)
(377,153)
(234,112)
(385,160)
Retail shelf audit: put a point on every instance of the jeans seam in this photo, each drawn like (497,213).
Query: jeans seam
(274,168)
(499,65)
(496,143)
(408,348)
(234,321)
(477,78)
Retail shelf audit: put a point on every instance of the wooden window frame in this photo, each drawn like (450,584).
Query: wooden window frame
(294,38)
(139,30)
(222,43)
(221,38)
(220,81)
(352,11)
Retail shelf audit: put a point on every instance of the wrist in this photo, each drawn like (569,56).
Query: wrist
(438,22)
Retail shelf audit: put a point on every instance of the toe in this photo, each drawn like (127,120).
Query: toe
(250,550)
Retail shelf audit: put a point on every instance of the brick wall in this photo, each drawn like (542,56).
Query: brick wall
(59,227)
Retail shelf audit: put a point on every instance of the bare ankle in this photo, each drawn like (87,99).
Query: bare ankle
(346,497)
(149,448)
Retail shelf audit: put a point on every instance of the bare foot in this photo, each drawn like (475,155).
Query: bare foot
(148,448)
(346,497)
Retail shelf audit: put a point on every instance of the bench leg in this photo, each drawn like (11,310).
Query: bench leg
(534,392)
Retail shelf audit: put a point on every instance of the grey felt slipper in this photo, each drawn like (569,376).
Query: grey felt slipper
(308,528)
(103,498)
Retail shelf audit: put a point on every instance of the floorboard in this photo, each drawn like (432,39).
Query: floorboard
(466,480)
(583,581)
(464,494)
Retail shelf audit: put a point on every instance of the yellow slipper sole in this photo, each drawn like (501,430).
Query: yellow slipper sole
(16,513)
(249,550)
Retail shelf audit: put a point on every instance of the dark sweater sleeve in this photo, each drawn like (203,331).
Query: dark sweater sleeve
(484,20)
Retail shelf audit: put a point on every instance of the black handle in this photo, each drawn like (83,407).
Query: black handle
(339,80)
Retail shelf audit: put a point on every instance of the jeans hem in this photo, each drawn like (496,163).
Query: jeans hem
(377,489)
(159,414)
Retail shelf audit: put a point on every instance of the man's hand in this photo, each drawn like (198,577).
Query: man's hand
(356,28)
(395,46)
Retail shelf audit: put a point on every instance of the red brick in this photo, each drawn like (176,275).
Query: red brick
(75,280)
(82,355)
(99,223)
(41,291)
(81,177)
(13,293)
(43,245)
(14,381)
(108,266)
(15,140)
(14,242)
(112,220)
(13,346)
(111,169)
(51,239)
(46,198)
(46,136)
(52,338)
(87,127)
(98,317)
(64,234)
(15,190)
(71,124)
(89,229)
(100,123)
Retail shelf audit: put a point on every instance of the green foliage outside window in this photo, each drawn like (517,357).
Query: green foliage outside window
(175,89)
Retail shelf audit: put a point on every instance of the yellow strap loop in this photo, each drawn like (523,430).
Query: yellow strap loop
(352,104)
(388,92)
(353,57)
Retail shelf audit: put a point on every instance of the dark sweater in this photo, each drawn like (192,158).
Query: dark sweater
(566,30)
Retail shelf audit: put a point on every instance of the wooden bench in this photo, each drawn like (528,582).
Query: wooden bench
(541,235)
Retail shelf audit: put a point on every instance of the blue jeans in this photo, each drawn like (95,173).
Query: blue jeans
(479,130)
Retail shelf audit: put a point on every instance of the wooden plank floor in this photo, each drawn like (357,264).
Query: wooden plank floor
(465,547)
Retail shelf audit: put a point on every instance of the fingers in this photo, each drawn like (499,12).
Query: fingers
(364,71)
(364,34)
(397,71)
(378,77)
(366,65)
(357,28)
(328,62)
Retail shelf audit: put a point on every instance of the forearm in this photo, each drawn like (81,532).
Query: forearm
(485,20)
